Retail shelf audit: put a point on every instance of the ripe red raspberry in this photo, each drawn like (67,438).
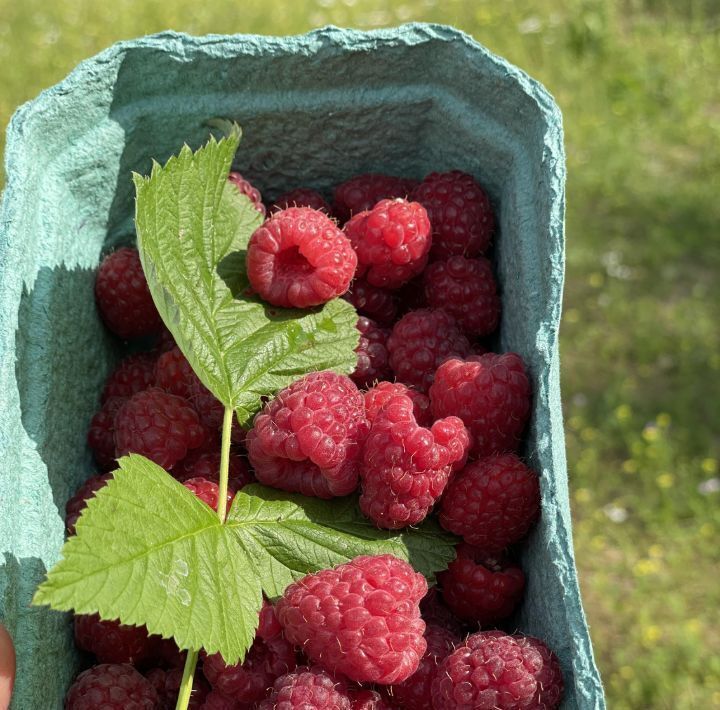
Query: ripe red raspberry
(167,686)
(392,242)
(492,503)
(208,491)
(490,670)
(134,374)
(434,611)
(101,434)
(364,699)
(481,588)
(247,682)
(77,503)
(174,374)
(490,393)
(111,641)
(373,302)
(111,687)
(415,692)
(205,463)
(405,466)
(123,297)
(466,289)
(363,192)
(309,438)
(420,342)
(299,258)
(550,685)
(247,188)
(372,354)
(301,197)
(460,213)
(377,397)
(158,425)
(307,689)
(361,619)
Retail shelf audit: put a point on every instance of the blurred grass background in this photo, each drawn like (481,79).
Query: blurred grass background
(639,84)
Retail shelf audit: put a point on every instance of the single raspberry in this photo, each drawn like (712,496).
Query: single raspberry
(373,302)
(167,686)
(174,374)
(247,188)
(490,393)
(111,641)
(301,197)
(372,354)
(466,289)
(309,438)
(364,699)
(405,466)
(392,242)
(492,503)
(378,396)
(158,425)
(460,213)
(490,670)
(299,258)
(211,410)
(101,434)
(134,374)
(363,192)
(420,341)
(361,619)
(123,297)
(111,687)
(415,692)
(435,612)
(219,701)
(205,463)
(480,588)
(307,689)
(208,491)
(77,503)
(550,685)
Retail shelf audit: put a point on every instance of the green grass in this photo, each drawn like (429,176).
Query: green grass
(639,85)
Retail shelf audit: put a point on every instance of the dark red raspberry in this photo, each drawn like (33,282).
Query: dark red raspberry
(158,425)
(134,374)
(77,503)
(361,619)
(480,588)
(392,242)
(415,692)
(174,374)
(405,466)
(309,438)
(492,503)
(307,689)
(420,342)
(435,612)
(411,297)
(123,297)
(205,463)
(218,701)
(247,188)
(208,491)
(164,341)
(364,699)
(101,434)
(166,654)
(550,685)
(363,192)
(490,393)
(466,289)
(378,396)
(490,670)
(460,212)
(111,641)
(375,303)
(211,410)
(299,258)
(111,687)
(372,354)
(167,686)
(301,197)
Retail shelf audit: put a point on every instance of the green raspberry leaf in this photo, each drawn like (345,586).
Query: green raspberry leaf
(193,228)
(289,535)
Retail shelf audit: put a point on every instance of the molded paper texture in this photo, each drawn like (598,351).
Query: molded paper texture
(315,110)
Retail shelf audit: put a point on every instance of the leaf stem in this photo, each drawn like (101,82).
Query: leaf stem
(186,684)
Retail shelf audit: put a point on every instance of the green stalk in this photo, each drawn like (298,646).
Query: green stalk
(186,684)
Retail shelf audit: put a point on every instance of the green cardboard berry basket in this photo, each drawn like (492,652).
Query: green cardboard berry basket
(315,109)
